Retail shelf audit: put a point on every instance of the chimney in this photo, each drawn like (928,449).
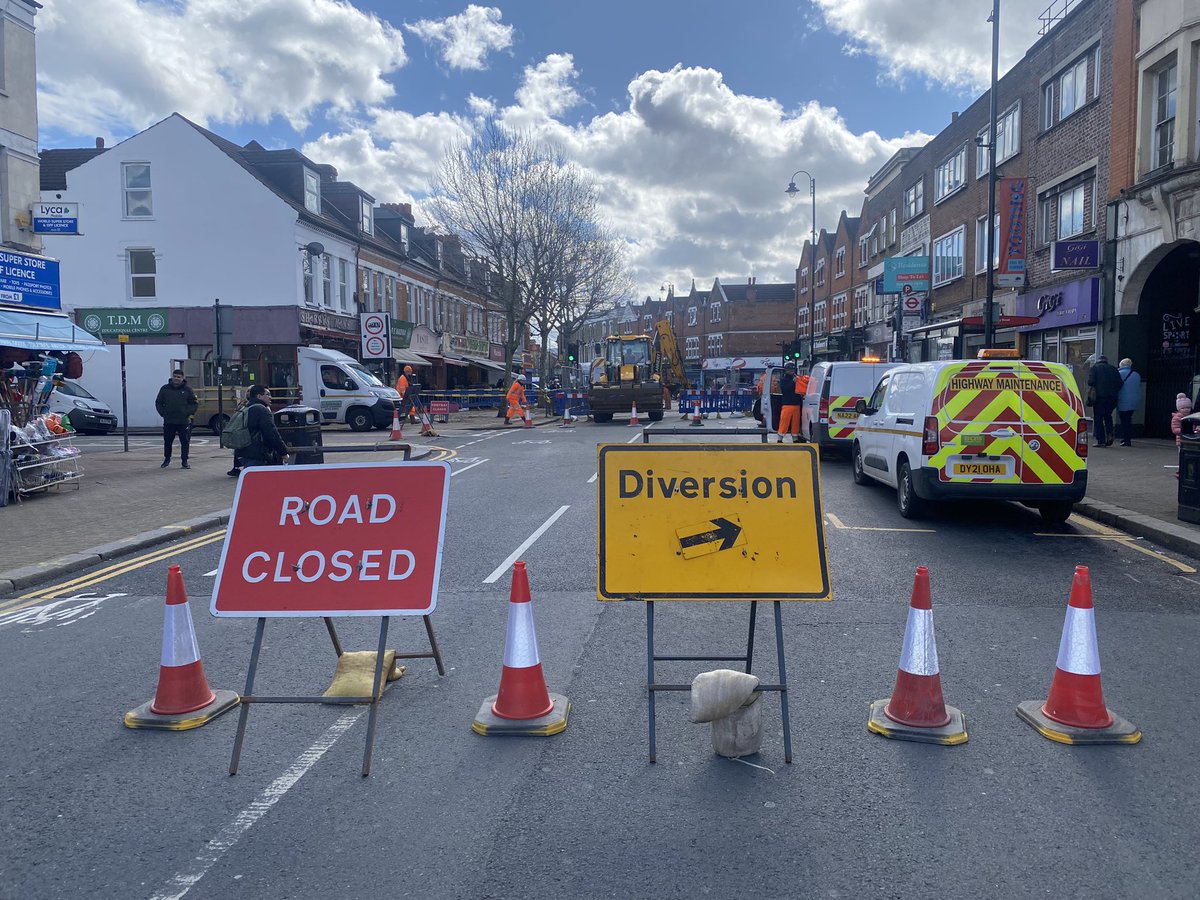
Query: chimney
(953,117)
(99,143)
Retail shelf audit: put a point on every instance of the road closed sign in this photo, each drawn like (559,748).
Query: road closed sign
(357,539)
(710,522)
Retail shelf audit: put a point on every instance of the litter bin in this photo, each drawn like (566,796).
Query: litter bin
(300,428)
(1189,469)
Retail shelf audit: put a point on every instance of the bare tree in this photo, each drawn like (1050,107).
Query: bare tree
(516,203)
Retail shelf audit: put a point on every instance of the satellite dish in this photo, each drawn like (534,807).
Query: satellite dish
(315,248)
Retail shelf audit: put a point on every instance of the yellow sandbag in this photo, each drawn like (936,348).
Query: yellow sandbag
(356,673)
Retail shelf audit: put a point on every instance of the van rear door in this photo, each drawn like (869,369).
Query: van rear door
(848,383)
(979,410)
(1051,412)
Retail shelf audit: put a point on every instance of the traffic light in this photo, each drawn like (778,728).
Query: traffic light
(572,352)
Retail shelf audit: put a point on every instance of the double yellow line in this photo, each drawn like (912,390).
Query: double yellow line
(93,578)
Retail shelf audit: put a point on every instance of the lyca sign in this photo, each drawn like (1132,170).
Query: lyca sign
(104,322)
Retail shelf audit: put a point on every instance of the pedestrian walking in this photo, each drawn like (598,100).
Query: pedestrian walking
(266,446)
(402,385)
(177,404)
(515,399)
(790,400)
(1128,400)
(1105,384)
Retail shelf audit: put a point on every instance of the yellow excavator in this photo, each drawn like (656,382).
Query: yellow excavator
(639,368)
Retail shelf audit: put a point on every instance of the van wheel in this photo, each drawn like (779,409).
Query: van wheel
(911,506)
(601,418)
(359,419)
(217,423)
(655,416)
(860,477)
(1055,513)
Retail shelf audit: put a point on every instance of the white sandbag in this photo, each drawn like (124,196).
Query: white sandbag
(719,693)
(740,732)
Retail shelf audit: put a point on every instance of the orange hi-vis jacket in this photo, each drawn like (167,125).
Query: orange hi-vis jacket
(402,384)
(516,400)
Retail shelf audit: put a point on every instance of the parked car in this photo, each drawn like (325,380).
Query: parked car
(86,414)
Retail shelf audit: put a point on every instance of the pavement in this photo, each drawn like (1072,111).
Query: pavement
(125,502)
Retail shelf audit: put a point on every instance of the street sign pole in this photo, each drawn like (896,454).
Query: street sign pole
(220,379)
(123,339)
(989,303)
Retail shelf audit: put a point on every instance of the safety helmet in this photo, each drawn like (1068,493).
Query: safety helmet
(521,378)
(408,370)
(789,367)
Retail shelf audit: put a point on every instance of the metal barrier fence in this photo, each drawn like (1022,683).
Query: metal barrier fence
(739,401)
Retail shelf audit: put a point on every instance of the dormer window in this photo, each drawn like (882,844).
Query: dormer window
(312,192)
(366,217)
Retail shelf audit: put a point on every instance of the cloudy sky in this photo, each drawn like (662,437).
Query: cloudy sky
(691,115)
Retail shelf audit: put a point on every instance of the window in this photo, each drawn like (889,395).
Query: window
(327,280)
(820,272)
(691,347)
(803,323)
(950,175)
(366,221)
(804,280)
(691,315)
(143,268)
(1008,140)
(715,345)
(914,200)
(981,243)
(840,262)
(1066,211)
(860,306)
(948,257)
(647,322)
(312,191)
(714,312)
(139,202)
(344,284)
(1071,89)
(819,321)
(839,311)
(864,250)
(1163,144)
(891,236)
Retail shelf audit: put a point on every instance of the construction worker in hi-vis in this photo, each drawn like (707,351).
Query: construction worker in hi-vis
(516,400)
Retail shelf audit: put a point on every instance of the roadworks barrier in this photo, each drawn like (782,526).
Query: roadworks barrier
(1075,712)
(183,699)
(729,701)
(523,705)
(917,711)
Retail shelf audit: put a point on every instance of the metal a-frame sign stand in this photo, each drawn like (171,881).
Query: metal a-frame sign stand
(724,531)
(281,561)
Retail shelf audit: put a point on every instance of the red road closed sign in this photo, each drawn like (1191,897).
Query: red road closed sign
(356,539)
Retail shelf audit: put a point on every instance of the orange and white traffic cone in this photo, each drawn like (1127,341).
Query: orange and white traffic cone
(633,419)
(397,428)
(183,699)
(567,418)
(526,418)
(916,710)
(697,419)
(1075,713)
(523,705)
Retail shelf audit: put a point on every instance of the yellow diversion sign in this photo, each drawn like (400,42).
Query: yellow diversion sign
(710,522)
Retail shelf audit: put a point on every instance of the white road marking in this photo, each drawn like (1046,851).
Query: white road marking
(464,468)
(634,439)
(56,612)
(210,574)
(516,554)
(837,523)
(179,885)
(595,475)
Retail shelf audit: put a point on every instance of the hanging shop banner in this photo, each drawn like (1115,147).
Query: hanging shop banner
(900,272)
(28,280)
(401,333)
(1010,202)
(110,321)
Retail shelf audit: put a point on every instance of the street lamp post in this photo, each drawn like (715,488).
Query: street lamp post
(812,253)
(989,305)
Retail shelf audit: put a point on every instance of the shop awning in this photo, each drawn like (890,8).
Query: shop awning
(408,358)
(486,363)
(44,331)
(448,360)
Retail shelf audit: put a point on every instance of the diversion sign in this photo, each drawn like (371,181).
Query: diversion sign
(710,522)
(356,539)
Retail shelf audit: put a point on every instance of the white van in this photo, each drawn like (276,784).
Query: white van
(996,428)
(827,416)
(86,414)
(343,390)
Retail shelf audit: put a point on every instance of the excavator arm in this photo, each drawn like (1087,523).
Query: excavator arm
(668,363)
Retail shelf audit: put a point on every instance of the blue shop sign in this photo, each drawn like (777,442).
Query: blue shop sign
(1076,254)
(28,280)
(900,272)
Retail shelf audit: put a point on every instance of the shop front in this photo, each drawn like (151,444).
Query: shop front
(1067,330)
(831,347)
(481,370)
(428,345)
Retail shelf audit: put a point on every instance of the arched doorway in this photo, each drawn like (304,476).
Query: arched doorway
(1167,352)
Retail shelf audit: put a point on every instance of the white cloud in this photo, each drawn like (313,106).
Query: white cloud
(112,63)
(466,39)
(546,90)
(956,52)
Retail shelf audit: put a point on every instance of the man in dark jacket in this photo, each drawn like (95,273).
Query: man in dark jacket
(177,405)
(1106,381)
(266,446)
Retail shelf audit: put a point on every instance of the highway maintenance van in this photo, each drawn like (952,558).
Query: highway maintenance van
(995,428)
(827,417)
(343,390)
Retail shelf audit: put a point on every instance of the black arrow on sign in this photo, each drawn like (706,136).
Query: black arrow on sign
(725,531)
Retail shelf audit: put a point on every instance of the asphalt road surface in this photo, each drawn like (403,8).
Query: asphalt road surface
(91,809)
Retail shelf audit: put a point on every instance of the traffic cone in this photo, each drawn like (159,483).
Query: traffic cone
(1075,713)
(523,705)
(633,419)
(697,419)
(526,419)
(397,428)
(916,710)
(567,419)
(183,699)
